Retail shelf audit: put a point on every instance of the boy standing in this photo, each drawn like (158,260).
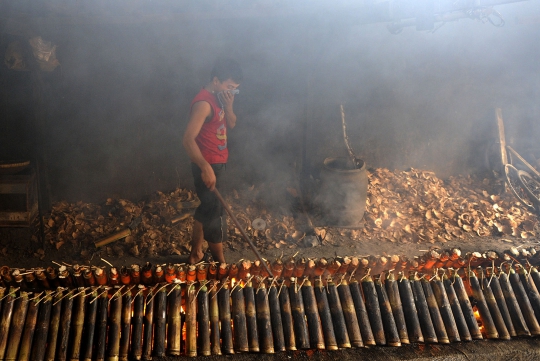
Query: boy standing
(205,141)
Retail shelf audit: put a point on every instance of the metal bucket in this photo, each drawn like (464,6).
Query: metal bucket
(343,192)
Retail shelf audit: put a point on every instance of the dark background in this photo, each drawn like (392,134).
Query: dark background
(114,111)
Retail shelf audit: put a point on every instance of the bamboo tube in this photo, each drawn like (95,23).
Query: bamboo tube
(310,268)
(251,318)
(42,328)
(493,283)
(137,325)
(114,277)
(148,325)
(361,314)
(5,321)
(125,326)
(275,316)
(243,269)
(424,315)
(409,310)
(524,303)
(203,321)
(89,326)
(349,313)
(115,321)
(436,318)
(88,277)
(535,276)
(299,315)
(170,273)
(445,309)
(459,318)
(239,320)
(325,316)
(320,267)
(42,279)
(191,321)
(135,274)
(288,268)
(77,324)
(202,272)
(160,322)
(397,308)
(214,321)
(146,274)
(345,263)
(286,317)
(20,308)
(338,319)
(466,307)
(174,320)
(391,332)
(513,307)
(494,310)
(28,331)
(52,335)
(481,305)
(316,338)
(212,272)
(300,268)
(191,274)
(225,320)
(373,310)
(64,327)
(52,277)
(159,274)
(531,290)
(125,277)
(263,320)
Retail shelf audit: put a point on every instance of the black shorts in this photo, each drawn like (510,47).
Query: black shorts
(210,213)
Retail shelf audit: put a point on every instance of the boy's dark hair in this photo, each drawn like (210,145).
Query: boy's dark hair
(225,69)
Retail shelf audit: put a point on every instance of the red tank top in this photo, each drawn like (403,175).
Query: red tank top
(212,139)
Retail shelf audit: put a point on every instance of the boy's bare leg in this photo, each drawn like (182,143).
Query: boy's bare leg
(217,252)
(197,241)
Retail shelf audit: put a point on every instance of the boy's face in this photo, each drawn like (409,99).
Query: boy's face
(228,84)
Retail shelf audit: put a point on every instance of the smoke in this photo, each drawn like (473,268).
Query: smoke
(119,103)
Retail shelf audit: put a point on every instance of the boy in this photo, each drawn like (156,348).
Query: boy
(205,141)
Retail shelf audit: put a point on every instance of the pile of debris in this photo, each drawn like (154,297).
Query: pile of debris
(403,206)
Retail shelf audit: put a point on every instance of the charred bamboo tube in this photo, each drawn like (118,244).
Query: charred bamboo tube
(214,321)
(466,307)
(251,318)
(338,319)
(28,331)
(7,315)
(64,327)
(494,310)
(493,282)
(115,322)
(42,328)
(137,325)
(531,290)
(535,276)
(275,316)
(160,322)
(89,326)
(436,318)
(286,317)
(397,308)
(373,310)
(325,316)
(518,320)
(409,310)
(77,325)
(351,319)
(263,320)
(361,313)
(391,332)
(20,308)
(191,321)
(52,334)
(299,315)
(481,305)
(239,320)
(445,309)
(316,338)
(225,320)
(174,320)
(461,324)
(148,324)
(203,321)
(125,330)
(423,311)
(524,303)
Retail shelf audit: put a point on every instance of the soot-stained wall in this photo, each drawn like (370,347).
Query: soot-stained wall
(118,104)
